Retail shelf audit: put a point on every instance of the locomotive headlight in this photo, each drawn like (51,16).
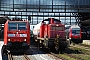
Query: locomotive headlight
(8,39)
(5,44)
(17,32)
(24,39)
(70,38)
(56,25)
(58,36)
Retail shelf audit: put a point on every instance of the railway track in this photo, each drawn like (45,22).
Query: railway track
(75,57)
(75,53)
(62,56)
(84,45)
(58,56)
(52,55)
(12,57)
(81,46)
(43,56)
(26,57)
(79,51)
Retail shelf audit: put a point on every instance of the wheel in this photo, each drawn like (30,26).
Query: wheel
(70,40)
(56,49)
(62,46)
(3,51)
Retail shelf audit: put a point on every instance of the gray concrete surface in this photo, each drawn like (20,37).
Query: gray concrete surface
(87,42)
(1,44)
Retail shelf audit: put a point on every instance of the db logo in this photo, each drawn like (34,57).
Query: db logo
(17,35)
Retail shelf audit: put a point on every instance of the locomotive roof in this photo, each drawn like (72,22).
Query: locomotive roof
(16,21)
(3,19)
(51,18)
(75,26)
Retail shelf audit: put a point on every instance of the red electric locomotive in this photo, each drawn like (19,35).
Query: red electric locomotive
(16,36)
(75,34)
(50,33)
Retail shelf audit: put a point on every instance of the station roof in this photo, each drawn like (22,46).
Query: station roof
(85,23)
(3,19)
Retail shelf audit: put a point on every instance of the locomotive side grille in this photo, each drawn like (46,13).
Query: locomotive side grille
(57,30)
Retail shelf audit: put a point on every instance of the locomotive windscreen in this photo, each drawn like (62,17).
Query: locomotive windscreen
(17,25)
(57,21)
(75,30)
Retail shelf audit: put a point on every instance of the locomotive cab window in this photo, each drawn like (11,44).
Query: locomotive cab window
(22,26)
(57,21)
(12,26)
(17,25)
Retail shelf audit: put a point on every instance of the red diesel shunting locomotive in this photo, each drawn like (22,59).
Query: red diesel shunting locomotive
(50,33)
(16,36)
